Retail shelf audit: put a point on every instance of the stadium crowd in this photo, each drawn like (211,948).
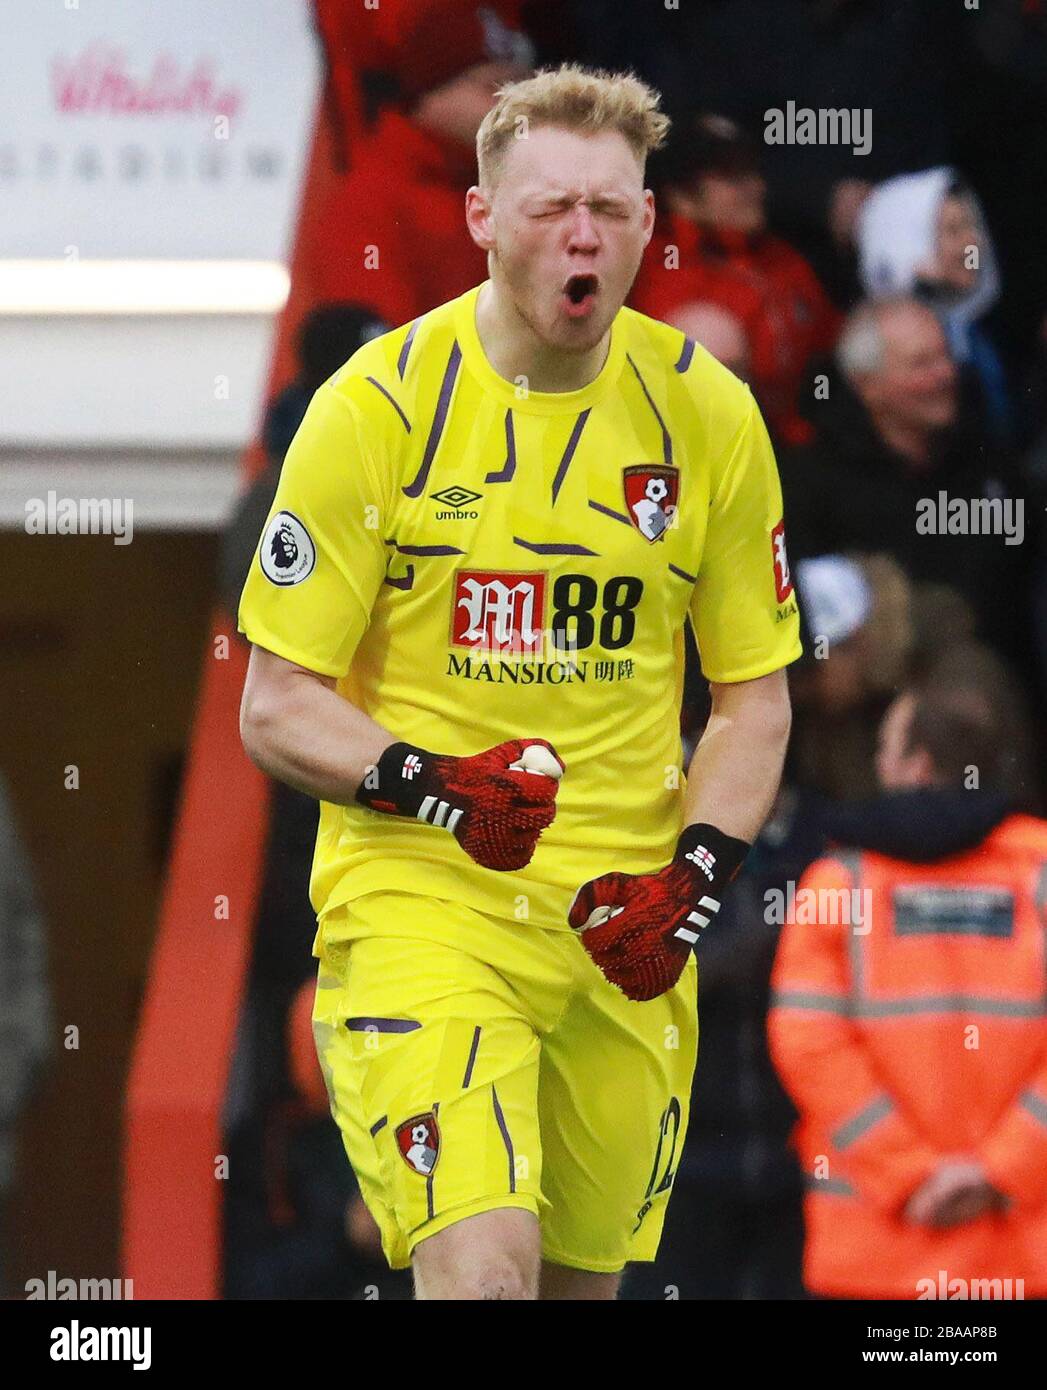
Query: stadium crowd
(871,1085)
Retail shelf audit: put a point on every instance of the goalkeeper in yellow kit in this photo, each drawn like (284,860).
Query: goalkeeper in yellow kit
(467,615)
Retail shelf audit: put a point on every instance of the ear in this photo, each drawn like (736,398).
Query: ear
(648,215)
(478,218)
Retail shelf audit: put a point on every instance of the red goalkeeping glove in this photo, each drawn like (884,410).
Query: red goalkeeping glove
(639,928)
(496,803)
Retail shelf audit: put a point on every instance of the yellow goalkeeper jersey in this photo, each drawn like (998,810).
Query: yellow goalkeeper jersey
(475,562)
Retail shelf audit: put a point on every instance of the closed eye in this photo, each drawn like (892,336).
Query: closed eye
(599,207)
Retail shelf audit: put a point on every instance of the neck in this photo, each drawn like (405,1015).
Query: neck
(516,352)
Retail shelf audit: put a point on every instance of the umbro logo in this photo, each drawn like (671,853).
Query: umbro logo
(457,502)
(704,858)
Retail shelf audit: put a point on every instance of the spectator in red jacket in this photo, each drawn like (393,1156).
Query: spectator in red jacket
(712,245)
(392,234)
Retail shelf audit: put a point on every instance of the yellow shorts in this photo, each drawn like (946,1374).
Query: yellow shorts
(474,1063)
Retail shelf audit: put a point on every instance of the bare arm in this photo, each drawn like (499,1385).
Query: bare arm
(298,729)
(736,768)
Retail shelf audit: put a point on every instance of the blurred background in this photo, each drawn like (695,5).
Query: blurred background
(206,210)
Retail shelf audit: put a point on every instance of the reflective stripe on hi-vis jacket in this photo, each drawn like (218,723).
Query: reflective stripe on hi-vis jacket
(909,1023)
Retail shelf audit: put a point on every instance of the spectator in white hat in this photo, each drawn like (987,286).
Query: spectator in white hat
(924,235)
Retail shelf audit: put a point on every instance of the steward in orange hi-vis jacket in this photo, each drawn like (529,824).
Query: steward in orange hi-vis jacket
(907,1024)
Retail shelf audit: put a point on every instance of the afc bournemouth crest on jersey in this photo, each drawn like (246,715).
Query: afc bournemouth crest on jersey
(418,1139)
(783,584)
(651,493)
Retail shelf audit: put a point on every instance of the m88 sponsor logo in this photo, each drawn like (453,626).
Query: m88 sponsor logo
(505,612)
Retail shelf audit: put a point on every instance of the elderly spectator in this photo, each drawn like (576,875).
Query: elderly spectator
(712,244)
(924,235)
(906,1019)
(895,468)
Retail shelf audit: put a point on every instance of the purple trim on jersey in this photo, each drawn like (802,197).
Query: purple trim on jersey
(379,1125)
(407,582)
(429,1179)
(505,1136)
(472,1059)
(568,453)
(428,549)
(443,403)
(667,443)
(554,547)
(405,351)
(691,578)
(366,1024)
(392,402)
(609,511)
(509,467)
(686,353)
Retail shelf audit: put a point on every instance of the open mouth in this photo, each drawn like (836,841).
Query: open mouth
(580,293)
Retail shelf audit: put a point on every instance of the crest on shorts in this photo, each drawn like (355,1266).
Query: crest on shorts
(418,1140)
(651,491)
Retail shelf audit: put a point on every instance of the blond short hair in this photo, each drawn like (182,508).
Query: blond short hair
(575,98)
